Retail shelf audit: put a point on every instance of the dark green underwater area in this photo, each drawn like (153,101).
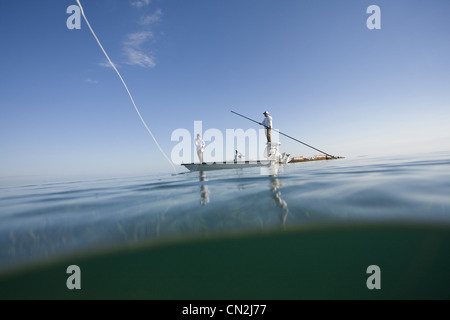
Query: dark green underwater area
(323,262)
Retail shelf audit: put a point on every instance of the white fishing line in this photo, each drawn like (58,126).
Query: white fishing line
(128,91)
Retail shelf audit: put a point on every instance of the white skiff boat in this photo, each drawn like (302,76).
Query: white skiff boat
(272,157)
(207,166)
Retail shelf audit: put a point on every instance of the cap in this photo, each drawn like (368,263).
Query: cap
(265,112)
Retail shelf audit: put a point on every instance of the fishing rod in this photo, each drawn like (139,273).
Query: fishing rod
(285,135)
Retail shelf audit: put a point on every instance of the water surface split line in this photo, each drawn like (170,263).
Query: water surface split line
(126,87)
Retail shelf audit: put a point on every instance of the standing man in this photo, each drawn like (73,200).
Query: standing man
(200,146)
(267,123)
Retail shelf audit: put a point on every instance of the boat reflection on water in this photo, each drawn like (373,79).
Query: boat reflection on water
(276,195)
(274,185)
(204,191)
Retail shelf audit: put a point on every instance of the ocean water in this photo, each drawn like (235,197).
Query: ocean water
(42,223)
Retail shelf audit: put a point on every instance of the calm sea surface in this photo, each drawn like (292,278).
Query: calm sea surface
(43,221)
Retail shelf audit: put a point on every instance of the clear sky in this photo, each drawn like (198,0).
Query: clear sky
(325,77)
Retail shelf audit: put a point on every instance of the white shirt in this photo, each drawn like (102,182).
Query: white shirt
(267,122)
(200,144)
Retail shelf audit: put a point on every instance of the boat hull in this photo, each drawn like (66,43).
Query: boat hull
(208,166)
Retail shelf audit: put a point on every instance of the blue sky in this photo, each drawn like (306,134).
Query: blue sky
(323,75)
